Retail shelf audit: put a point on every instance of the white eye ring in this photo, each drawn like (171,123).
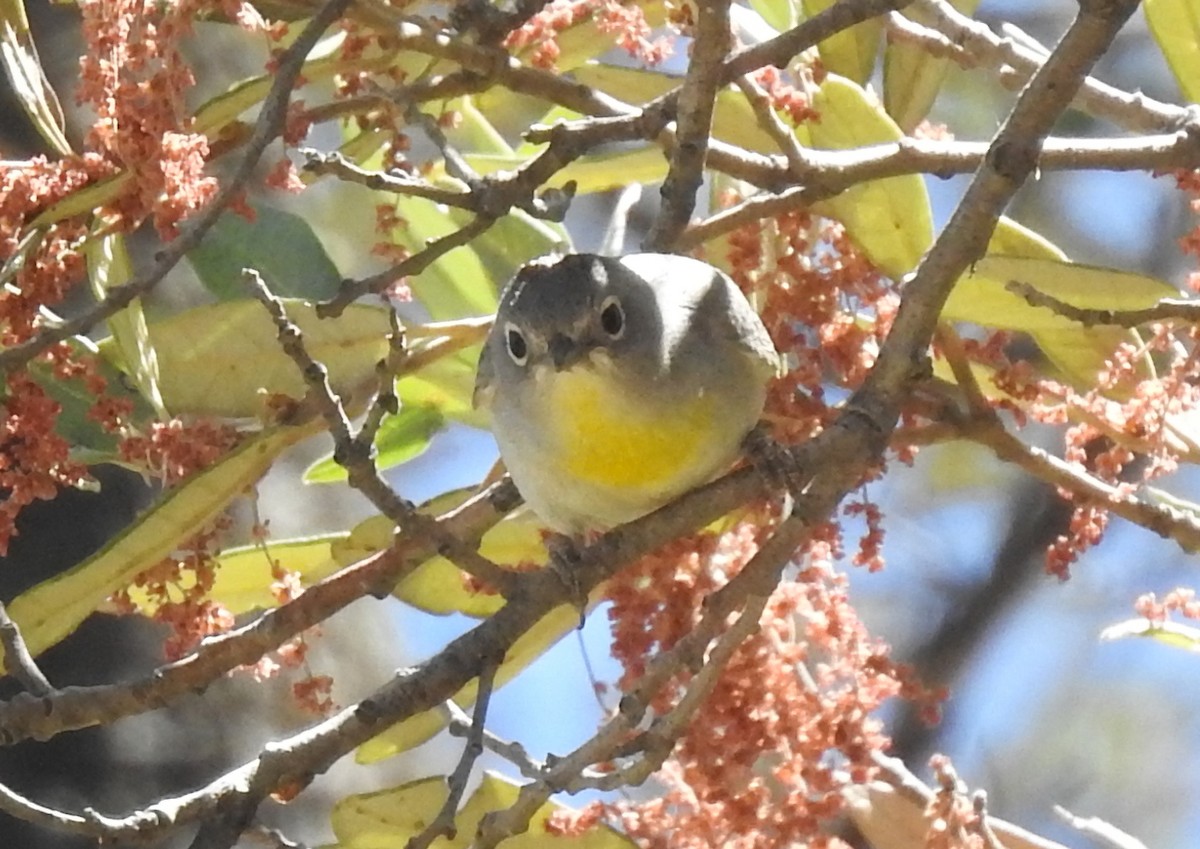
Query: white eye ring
(515,344)
(612,317)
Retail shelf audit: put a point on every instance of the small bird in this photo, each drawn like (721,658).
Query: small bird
(617,384)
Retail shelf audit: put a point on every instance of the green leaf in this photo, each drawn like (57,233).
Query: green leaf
(889,219)
(981,296)
(851,52)
(26,79)
(54,608)
(912,77)
(1175,25)
(514,240)
(108,267)
(1168,633)
(219,359)
(401,438)
(456,284)
(780,15)
(281,246)
(1013,239)
(446,385)
(391,817)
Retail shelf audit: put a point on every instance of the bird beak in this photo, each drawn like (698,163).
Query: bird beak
(565,352)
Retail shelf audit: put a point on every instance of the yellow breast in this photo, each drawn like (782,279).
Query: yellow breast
(605,437)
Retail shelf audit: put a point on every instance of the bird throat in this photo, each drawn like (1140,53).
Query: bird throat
(604,433)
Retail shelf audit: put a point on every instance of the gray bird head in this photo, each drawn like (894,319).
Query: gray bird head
(581,311)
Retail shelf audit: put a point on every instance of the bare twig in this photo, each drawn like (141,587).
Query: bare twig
(1101,831)
(352,290)
(693,119)
(512,751)
(19,661)
(443,824)
(354,452)
(832,172)
(1167,309)
(25,717)
(1168,522)
(972,43)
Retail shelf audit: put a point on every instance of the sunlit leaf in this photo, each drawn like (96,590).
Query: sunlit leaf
(401,438)
(598,172)
(1169,633)
(243,574)
(1175,25)
(26,79)
(219,359)
(780,15)
(1013,239)
(280,246)
(912,77)
(456,284)
(851,52)
(54,608)
(446,385)
(391,817)
(108,267)
(981,296)
(889,219)
(734,120)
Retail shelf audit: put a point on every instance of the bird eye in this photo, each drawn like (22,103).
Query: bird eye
(612,317)
(515,340)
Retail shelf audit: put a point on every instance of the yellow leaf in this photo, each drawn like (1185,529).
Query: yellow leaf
(218,359)
(109,267)
(851,52)
(1013,239)
(243,574)
(912,77)
(889,219)
(981,296)
(1175,25)
(388,818)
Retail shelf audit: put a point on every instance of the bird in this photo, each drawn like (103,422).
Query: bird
(616,384)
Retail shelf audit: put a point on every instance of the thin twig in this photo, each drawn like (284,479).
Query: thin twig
(693,119)
(974,43)
(748,590)
(355,455)
(443,824)
(832,172)
(1167,309)
(1099,830)
(18,660)
(512,751)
